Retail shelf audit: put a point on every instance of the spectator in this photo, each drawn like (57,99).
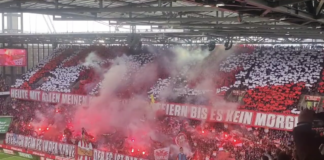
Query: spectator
(181,155)
(306,141)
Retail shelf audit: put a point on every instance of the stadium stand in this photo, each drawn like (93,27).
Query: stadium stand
(274,79)
(284,72)
(273,98)
(204,138)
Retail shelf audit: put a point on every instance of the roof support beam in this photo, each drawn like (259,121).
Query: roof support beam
(261,31)
(265,12)
(319,8)
(242,25)
(154,19)
(56,4)
(79,15)
(100,3)
(284,2)
(7,4)
(307,23)
(207,25)
(264,5)
(117,9)
(70,5)
(118,35)
(315,36)
(150,38)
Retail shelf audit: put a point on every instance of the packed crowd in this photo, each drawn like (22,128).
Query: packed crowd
(273,98)
(203,140)
(242,142)
(63,69)
(279,66)
(273,78)
(35,118)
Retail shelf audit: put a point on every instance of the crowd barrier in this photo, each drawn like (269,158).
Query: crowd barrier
(39,149)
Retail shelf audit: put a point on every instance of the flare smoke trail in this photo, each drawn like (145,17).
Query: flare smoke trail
(106,113)
(46,121)
(92,59)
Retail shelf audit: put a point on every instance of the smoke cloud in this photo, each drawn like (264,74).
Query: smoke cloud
(136,119)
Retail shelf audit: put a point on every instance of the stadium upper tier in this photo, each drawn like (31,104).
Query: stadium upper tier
(274,77)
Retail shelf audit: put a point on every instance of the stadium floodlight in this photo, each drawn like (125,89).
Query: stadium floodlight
(229,43)
(211,45)
(134,42)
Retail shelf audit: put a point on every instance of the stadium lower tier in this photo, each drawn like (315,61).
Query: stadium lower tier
(230,146)
(219,105)
(201,140)
(204,133)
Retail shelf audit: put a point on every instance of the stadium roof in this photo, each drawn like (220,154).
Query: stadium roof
(299,19)
(147,38)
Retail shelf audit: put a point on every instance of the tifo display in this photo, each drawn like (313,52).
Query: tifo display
(13,57)
(114,103)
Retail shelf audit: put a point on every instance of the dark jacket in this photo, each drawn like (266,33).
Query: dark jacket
(307,142)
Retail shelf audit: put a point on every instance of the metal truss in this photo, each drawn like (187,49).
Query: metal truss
(178,38)
(260,18)
(112,10)
(299,12)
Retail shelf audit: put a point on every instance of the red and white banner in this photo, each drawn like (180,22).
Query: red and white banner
(58,151)
(276,121)
(162,154)
(49,97)
(212,114)
(84,150)
(313,98)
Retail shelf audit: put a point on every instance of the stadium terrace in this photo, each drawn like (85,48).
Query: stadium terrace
(162,80)
(230,118)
